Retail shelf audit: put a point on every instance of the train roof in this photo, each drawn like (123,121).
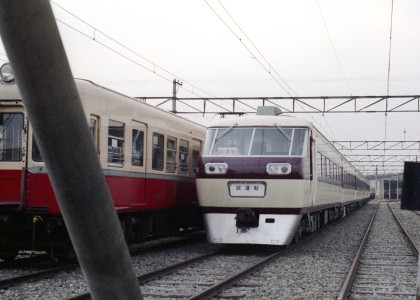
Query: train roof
(10,92)
(262,120)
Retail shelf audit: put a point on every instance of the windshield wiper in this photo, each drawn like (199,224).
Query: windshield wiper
(283,132)
(224,133)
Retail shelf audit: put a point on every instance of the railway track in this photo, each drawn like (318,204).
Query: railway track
(32,268)
(385,266)
(201,277)
(207,275)
(35,275)
(314,270)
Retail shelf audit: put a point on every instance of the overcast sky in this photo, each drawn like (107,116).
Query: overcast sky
(238,48)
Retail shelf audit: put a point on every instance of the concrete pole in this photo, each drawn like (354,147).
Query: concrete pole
(36,53)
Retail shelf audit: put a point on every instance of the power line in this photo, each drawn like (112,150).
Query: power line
(268,70)
(332,45)
(270,67)
(151,69)
(259,52)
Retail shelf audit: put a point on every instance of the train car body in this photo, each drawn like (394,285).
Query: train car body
(148,156)
(268,178)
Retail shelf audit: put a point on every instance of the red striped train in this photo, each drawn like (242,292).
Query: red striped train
(148,156)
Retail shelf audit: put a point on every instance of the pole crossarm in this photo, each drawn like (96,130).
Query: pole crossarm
(313,104)
(377,145)
(379,157)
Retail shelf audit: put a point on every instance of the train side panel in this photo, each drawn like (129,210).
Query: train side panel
(152,181)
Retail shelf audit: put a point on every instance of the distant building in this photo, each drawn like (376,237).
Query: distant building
(388,187)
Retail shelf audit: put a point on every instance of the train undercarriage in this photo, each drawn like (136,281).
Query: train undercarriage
(44,232)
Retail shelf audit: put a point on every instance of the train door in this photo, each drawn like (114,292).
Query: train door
(12,155)
(138,161)
(173,166)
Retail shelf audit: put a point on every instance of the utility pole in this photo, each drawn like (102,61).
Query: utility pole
(175,83)
(32,41)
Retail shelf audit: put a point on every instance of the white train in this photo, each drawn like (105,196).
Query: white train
(268,178)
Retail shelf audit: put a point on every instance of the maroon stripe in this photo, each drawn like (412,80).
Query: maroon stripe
(255,167)
(271,210)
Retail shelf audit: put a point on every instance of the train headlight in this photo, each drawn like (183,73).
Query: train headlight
(6,73)
(279,168)
(216,168)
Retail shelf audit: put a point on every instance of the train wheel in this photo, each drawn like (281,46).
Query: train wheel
(8,252)
(298,234)
(69,252)
(165,224)
(138,228)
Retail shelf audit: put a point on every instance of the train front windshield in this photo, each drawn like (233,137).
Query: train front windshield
(11,127)
(272,141)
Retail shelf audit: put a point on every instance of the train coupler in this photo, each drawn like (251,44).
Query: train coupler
(246,218)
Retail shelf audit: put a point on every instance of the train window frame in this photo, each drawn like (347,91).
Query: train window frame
(319,164)
(158,151)
(183,157)
(36,153)
(116,143)
(17,138)
(256,141)
(94,130)
(137,147)
(171,151)
(196,152)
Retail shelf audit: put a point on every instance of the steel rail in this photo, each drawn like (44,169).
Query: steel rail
(407,235)
(413,246)
(5,283)
(223,285)
(345,289)
(157,273)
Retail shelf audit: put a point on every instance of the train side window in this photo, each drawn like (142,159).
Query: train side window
(11,127)
(327,168)
(183,157)
(94,130)
(171,154)
(115,143)
(137,151)
(324,166)
(300,142)
(319,163)
(36,154)
(157,151)
(195,154)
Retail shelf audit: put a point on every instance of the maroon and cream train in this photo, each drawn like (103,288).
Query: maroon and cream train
(148,156)
(268,178)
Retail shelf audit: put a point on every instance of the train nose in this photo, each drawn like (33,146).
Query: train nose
(246,218)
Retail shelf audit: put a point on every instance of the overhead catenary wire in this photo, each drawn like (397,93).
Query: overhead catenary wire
(333,47)
(259,52)
(267,69)
(152,69)
(270,67)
